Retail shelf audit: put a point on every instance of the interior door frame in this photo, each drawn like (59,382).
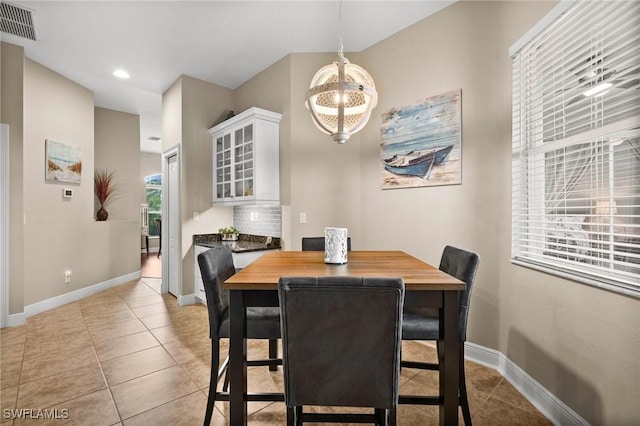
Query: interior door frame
(166,222)
(4,225)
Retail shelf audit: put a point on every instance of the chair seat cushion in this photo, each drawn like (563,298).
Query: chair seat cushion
(262,323)
(420,324)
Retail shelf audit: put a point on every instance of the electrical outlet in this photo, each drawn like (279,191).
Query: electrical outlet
(303,217)
(67,276)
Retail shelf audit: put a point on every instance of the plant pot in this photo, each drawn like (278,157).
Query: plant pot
(102,215)
(229,237)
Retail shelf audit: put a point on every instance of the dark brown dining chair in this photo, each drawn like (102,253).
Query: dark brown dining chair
(159,226)
(424,324)
(341,340)
(216,266)
(317,243)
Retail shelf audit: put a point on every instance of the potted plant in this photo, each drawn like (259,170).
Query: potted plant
(104,187)
(229,234)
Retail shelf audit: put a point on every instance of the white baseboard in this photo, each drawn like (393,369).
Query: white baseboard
(63,299)
(190,299)
(187,299)
(16,319)
(546,402)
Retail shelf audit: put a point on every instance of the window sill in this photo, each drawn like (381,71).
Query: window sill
(621,288)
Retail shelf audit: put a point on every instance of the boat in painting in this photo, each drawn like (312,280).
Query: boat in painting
(410,165)
(417,163)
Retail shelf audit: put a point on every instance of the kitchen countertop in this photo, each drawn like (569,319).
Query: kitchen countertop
(245,243)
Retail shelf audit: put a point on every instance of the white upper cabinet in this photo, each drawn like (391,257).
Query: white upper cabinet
(246,168)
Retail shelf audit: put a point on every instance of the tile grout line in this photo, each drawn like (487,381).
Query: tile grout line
(176,364)
(513,406)
(175,319)
(24,348)
(104,377)
(23,356)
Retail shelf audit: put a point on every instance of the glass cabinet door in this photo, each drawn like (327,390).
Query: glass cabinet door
(243,161)
(238,161)
(223,166)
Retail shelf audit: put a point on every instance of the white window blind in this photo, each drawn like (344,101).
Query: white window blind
(576,146)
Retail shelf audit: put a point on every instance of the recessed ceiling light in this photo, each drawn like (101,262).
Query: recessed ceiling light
(120,73)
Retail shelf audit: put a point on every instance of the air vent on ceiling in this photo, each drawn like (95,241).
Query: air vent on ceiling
(17,21)
(153,138)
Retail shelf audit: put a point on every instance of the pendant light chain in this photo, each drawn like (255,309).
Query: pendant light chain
(341,49)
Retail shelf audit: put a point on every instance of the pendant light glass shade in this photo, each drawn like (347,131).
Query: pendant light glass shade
(340,99)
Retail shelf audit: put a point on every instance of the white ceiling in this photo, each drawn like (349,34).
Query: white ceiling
(223,42)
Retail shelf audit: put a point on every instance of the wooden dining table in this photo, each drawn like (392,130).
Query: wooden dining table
(425,285)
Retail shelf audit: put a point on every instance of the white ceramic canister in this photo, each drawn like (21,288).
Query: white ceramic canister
(335,245)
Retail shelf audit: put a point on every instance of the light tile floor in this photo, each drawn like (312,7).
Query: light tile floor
(131,356)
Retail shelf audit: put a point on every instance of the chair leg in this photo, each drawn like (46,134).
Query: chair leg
(290,416)
(392,416)
(224,369)
(225,385)
(213,381)
(273,353)
(464,399)
(382,416)
(298,415)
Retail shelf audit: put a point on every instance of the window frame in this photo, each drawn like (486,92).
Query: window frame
(529,179)
(157,187)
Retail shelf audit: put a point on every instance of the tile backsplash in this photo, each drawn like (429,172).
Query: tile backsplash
(267,220)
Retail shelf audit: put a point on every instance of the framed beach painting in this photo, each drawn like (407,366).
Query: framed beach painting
(64,162)
(421,144)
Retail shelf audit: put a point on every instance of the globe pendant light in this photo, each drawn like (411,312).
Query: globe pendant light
(341,97)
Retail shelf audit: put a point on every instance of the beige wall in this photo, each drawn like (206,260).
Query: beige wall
(172,116)
(203,105)
(12,113)
(317,176)
(190,107)
(150,164)
(271,90)
(325,176)
(582,343)
(117,150)
(62,234)
(579,342)
(422,221)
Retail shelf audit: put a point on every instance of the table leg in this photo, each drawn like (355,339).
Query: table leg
(273,353)
(450,353)
(237,359)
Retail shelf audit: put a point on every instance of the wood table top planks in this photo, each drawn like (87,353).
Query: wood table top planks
(264,273)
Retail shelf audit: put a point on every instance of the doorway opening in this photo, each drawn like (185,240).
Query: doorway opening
(151,225)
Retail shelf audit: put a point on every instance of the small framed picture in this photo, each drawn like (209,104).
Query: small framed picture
(63,162)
